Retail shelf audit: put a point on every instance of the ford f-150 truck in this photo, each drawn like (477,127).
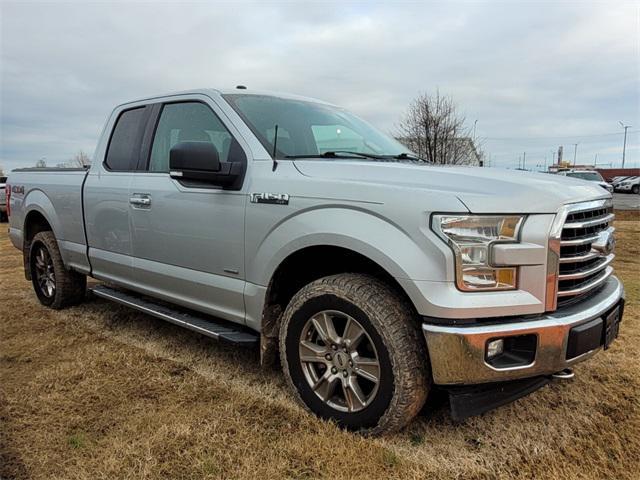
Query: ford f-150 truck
(290,224)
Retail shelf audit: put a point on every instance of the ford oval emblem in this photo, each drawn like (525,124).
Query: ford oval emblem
(606,242)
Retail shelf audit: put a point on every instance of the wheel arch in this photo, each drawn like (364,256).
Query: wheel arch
(303,266)
(35,221)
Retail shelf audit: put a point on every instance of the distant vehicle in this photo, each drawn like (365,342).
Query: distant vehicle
(615,181)
(3,200)
(241,216)
(619,179)
(589,175)
(628,185)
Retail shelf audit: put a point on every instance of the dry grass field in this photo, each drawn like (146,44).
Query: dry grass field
(100,392)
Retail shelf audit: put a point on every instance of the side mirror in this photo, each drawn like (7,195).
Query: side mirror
(194,160)
(197,164)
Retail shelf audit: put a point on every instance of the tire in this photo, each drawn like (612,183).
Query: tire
(635,189)
(55,286)
(391,337)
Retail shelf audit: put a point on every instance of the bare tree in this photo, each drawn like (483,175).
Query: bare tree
(435,131)
(41,163)
(81,159)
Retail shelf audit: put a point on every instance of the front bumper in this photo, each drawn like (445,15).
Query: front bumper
(457,352)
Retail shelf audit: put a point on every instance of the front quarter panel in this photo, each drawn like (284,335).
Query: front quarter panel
(390,226)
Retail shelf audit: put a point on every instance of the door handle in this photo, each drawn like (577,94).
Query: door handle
(141,201)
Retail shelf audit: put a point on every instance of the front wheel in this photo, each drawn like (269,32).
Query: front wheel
(351,351)
(55,286)
(635,189)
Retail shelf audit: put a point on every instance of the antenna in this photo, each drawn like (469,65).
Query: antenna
(275,143)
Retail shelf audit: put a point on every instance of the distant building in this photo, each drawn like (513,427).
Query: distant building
(561,166)
(609,173)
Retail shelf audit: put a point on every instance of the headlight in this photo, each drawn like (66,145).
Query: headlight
(470,237)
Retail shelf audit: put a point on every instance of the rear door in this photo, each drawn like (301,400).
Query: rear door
(188,241)
(106,196)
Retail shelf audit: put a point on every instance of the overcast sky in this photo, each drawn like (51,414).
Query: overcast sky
(535,75)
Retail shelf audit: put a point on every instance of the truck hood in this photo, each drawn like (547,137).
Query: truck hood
(482,190)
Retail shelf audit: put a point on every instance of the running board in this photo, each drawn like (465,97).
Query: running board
(216,329)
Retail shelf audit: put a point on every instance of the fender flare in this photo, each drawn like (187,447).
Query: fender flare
(355,229)
(38,201)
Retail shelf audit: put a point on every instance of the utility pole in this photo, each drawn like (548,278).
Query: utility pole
(474,130)
(524,161)
(575,152)
(624,145)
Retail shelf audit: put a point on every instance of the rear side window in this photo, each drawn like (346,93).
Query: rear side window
(124,147)
(188,122)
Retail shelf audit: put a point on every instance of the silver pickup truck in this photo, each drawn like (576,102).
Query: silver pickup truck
(290,224)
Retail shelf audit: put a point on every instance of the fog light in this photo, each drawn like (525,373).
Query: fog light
(495,347)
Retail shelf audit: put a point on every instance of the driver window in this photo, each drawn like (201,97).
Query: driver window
(187,122)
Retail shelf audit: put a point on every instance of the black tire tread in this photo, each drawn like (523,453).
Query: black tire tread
(399,329)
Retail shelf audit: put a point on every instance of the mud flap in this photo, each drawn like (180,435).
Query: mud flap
(467,401)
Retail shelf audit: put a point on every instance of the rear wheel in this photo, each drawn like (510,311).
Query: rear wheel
(351,351)
(55,286)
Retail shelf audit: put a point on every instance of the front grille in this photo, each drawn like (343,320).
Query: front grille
(583,268)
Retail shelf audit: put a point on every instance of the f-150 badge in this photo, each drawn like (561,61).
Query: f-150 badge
(274,198)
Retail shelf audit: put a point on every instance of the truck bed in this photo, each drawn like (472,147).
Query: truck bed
(56,193)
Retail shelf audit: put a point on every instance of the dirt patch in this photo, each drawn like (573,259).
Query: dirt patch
(98,391)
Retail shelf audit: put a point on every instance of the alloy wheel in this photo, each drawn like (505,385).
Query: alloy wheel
(339,361)
(45,275)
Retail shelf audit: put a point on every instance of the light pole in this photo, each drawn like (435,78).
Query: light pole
(624,145)
(575,152)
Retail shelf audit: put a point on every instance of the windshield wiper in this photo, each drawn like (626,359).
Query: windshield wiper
(338,154)
(408,156)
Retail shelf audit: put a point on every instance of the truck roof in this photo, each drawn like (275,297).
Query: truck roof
(227,91)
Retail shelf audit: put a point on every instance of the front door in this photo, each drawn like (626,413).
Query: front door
(188,241)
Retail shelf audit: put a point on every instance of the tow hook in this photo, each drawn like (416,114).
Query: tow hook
(566,374)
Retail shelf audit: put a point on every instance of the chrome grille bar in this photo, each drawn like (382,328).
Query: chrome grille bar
(580,258)
(590,223)
(587,287)
(579,241)
(585,273)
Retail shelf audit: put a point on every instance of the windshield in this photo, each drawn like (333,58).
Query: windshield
(592,176)
(307,129)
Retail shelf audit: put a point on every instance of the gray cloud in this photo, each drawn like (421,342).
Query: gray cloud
(535,75)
